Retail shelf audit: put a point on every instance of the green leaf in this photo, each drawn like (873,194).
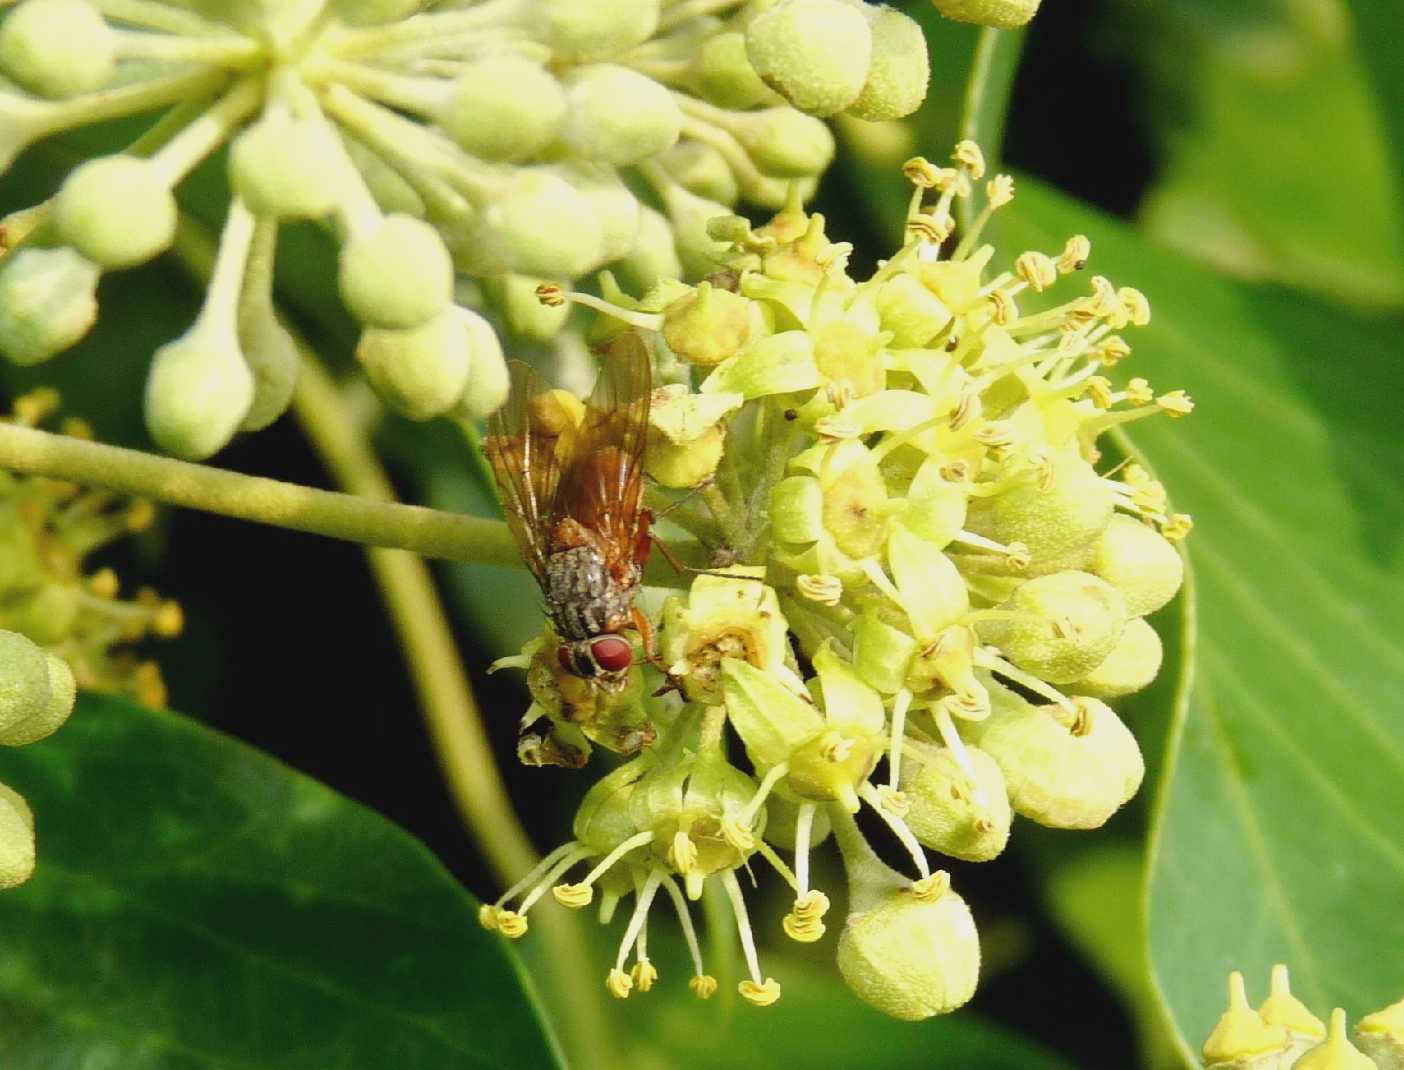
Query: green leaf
(1277,832)
(199,905)
(1275,152)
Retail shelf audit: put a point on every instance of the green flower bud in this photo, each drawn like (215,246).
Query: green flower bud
(420,372)
(44,722)
(496,122)
(654,256)
(1066,625)
(1140,563)
(603,820)
(900,70)
(815,53)
(699,252)
(618,115)
(1063,768)
(16,839)
(599,28)
(58,48)
(781,818)
(610,203)
(707,326)
(387,186)
(48,301)
(541,225)
(784,142)
(46,613)
(1381,1036)
(722,74)
(1002,14)
(272,356)
(1057,518)
(951,813)
(198,391)
(686,434)
(777,364)
(396,275)
(280,166)
(375,12)
(882,653)
(911,313)
(514,298)
(702,170)
(25,692)
(911,957)
(489,382)
(1336,1052)
(117,211)
(1131,666)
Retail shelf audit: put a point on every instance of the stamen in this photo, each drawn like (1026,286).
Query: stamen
(900,704)
(760,992)
(636,921)
(580,895)
(870,795)
(685,921)
(562,865)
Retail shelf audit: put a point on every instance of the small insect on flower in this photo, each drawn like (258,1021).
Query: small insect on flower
(570,482)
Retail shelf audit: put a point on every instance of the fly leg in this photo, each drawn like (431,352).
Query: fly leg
(651,655)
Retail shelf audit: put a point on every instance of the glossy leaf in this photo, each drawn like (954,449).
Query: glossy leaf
(1277,832)
(200,906)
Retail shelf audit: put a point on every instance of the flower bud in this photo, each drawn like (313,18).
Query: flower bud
(1241,1039)
(63,693)
(815,53)
(1336,1052)
(722,74)
(1131,666)
(514,298)
(489,381)
(1065,627)
(1140,563)
(396,275)
(654,256)
(283,167)
(48,302)
(117,211)
(707,326)
(542,226)
(951,813)
(1381,1036)
(702,170)
(1001,14)
(1057,518)
(784,142)
(25,692)
(198,391)
(911,313)
(910,957)
(610,203)
(16,839)
(497,123)
(899,71)
(618,115)
(420,372)
(781,818)
(375,12)
(686,434)
(1063,768)
(58,48)
(699,252)
(599,28)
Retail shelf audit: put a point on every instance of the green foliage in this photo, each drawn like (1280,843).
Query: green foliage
(200,905)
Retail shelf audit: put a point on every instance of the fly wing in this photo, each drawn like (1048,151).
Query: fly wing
(603,483)
(528,457)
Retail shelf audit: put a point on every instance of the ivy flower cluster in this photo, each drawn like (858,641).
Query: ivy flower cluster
(928,585)
(502,141)
(1283,1034)
(62,626)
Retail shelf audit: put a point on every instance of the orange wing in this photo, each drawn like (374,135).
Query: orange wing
(602,481)
(528,457)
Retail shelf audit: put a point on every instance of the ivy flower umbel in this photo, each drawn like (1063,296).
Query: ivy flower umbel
(930,582)
(502,140)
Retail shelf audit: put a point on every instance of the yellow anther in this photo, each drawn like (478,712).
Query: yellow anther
(803,930)
(1177,527)
(104,583)
(929,889)
(826,590)
(762,995)
(1176,403)
(969,156)
(1105,302)
(1112,351)
(551,294)
(644,974)
(703,985)
(1005,310)
(893,801)
(487,916)
(1137,307)
(141,514)
(1099,389)
(682,853)
(1037,269)
(920,172)
(619,984)
(511,924)
(1139,390)
(738,834)
(169,620)
(1000,190)
(575,896)
(1076,252)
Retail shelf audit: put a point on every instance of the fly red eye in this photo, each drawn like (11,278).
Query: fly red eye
(612,653)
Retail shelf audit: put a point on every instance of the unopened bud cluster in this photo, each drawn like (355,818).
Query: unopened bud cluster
(61,627)
(1283,1034)
(929,584)
(505,141)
